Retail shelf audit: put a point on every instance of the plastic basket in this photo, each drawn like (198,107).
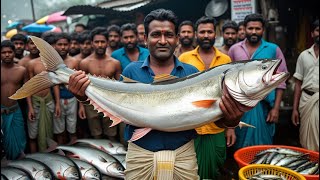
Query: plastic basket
(248,171)
(245,155)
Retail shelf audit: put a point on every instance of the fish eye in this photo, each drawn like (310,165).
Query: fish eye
(264,67)
(75,174)
(120,168)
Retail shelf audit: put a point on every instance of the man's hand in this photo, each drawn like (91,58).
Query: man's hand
(57,111)
(231,136)
(273,115)
(230,110)
(295,117)
(31,116)
(82,112)
(78,83)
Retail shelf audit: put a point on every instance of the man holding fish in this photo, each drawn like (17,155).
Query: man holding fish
(174,152)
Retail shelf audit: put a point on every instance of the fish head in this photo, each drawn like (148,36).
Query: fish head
(71,173)
(115,169)
(91,174)
(252,82)
(121,150)
(44,174)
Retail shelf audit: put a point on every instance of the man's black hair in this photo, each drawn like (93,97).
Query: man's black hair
(74,36)
(128,27)
(19,37)
(62,35)
(241,23)
(187,22)
(205,20)
(83,36)
(49,37)
(99,31)
(230,24)
(114,28)
(315,24)
(81,25)
(8,43)
(160,15)
(254,17)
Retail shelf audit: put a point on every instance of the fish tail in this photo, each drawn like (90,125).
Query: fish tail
(38,83)
(242,124)
(48,55)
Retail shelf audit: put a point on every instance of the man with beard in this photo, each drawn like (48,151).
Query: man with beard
(68,102)
(12,78)
(141,31)
(186,37)
(159,154)
(74,48)
(266,113)
(130,51)
(19,41)
(100,64)
(306,93)
(85,46)
(229,34)
(113,32)
(241,31)
(41,105)
(33,53)
(210,145)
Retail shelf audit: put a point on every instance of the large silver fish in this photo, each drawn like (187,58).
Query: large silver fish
(106,163)
(88,171)
(106,145)
(166,105)
(61,166)
(35,168)
(14,173)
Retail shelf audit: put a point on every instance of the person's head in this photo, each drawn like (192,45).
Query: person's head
(186,33)
(62,44)
(32,48)
(241,31)
(74,48)
(206,32)
(315,31)
(129,36)
(254,26)
(85,43)
(49,37)
(113,36)
(19,41)
(141,31)
(229,33)
(161,29)
(99,38)
(78,28)
(7,51)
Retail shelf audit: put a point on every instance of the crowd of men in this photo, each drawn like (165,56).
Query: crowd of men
(158,46)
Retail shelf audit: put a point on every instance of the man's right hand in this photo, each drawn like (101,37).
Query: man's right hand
(78,83)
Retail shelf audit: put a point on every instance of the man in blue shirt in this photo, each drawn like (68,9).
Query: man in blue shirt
(160,155)
(130,51)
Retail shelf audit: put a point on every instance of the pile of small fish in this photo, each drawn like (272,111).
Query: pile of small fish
(261,176)
(294,160)
(86,159)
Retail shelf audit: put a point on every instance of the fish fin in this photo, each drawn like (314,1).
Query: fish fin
(204,103)
(139,133)
(52,145)
(48,55)
(127,80)
(61,152)
(39,82)
(163,77)
(242,124)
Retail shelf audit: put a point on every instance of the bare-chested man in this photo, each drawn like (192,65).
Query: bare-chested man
(85,46)
(19,40)
(33,53)
(100,64)
(68,103)
(41,106)
(12,78)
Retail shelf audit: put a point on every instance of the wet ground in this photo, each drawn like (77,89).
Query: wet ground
(286,134)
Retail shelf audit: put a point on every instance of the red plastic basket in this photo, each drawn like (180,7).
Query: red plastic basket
(245,155)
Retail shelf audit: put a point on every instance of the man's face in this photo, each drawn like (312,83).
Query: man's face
(20,47)
(206,35)
(86,47)
(162,39)
(7,55)
(241,33)
(32,48)
(129,40)
(315,35)
(114,39)
(62,47)
(254,31)
(186,35)
(74,48)
(141,31)
(229,37)
(99,44)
